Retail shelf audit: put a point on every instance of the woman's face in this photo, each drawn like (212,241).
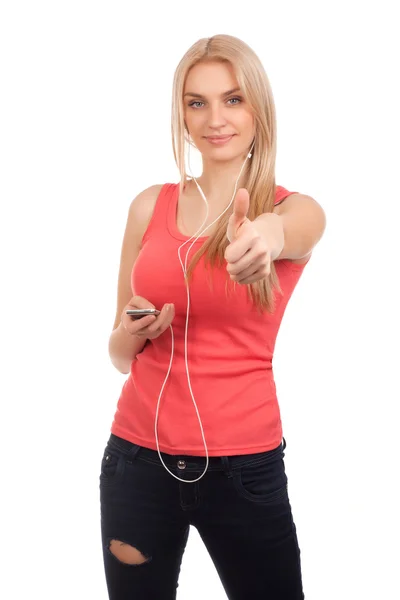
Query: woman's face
(210,111)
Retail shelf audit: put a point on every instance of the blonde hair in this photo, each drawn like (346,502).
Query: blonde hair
(259,179)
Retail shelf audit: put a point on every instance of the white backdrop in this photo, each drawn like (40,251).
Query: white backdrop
(85,126)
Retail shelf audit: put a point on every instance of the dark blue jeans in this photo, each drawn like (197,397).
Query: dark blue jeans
(240,508)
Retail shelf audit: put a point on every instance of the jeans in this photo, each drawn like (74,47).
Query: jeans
(240,508)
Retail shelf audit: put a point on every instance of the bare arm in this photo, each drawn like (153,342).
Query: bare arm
(123,347)
(300,224)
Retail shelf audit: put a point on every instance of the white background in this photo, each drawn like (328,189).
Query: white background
(85,126)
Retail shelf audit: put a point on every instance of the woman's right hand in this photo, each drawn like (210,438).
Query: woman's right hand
(150,327)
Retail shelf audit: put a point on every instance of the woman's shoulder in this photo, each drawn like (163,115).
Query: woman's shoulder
(142,207)
(144,203)
(281,193)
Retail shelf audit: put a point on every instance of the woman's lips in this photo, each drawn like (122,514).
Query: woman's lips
(219,141)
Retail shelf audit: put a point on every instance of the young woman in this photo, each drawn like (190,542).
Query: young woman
(197,437)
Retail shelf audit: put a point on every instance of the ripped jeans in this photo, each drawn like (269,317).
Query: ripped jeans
(240,508)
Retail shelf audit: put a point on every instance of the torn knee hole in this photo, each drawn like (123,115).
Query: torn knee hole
(126,553)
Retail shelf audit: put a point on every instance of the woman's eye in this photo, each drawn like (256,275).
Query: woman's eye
(235,99)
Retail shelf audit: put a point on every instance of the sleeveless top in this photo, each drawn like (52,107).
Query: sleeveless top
(230,351)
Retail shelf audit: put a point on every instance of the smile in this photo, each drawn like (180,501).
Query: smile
(219,141)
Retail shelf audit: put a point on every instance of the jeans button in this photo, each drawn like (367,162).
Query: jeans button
(181,464)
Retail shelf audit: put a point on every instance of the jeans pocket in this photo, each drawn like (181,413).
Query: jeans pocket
(112,466)
(264,480)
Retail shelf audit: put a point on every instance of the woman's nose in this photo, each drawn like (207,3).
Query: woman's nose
(216,116)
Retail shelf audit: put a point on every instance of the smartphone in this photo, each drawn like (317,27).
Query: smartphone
(139,313)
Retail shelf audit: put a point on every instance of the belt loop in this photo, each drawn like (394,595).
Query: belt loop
(284,443)
(227,465)
(132,452)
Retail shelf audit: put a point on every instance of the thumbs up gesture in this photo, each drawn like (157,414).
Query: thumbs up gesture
(248,254)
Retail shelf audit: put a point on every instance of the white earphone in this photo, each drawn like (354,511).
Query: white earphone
(187,322)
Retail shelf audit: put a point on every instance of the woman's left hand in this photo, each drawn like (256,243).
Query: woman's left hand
(248,254)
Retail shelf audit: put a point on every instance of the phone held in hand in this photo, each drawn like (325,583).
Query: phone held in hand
(139,313)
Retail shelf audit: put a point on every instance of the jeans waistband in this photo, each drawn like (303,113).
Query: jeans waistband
(194,463)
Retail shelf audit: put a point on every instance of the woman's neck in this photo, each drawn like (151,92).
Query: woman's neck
(218,182)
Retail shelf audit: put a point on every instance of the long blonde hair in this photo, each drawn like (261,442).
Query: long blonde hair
(259,179)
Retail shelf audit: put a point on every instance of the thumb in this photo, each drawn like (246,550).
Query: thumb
(241,206)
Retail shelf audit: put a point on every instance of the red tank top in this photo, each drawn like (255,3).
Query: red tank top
(230,352)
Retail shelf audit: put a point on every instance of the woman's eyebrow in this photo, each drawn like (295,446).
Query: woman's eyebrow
(200,96)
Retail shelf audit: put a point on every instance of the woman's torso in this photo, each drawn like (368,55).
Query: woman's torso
(230,350)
